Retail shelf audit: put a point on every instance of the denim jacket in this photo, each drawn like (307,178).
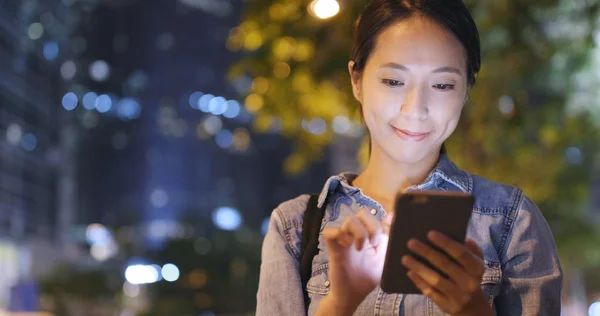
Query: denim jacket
(522,271)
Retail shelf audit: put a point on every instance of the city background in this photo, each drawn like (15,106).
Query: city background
(144,144)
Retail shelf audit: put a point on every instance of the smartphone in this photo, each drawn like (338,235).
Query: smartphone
(417,213)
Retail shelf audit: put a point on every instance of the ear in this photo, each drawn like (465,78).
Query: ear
(355,79)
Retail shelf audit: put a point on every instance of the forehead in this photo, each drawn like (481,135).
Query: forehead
(418,41)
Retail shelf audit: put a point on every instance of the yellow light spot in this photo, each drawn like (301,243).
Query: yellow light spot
(294,164)
(254,103)
(260,85)
(281,70)
(301,81)
(304,51)
(253,41)
(262,123)
(277,12)
(283,48)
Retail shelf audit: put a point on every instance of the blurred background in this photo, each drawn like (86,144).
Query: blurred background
(144,144)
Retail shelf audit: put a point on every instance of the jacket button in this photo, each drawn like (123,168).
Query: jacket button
(373,211)
(327,283)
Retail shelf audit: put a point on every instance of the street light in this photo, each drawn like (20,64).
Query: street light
(324,9)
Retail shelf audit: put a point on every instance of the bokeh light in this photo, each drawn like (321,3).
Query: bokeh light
(324,9)
(170,272)
(264,227)
(194,99)
(128,109)
(227,218)
(14,133)
(212,125)
(159,198)
(68,70)
(70,101)
(29,142)
(141,274)
(224,139)
(103,103)
(51,50)
(35,31)
(594,309)
(204,101)
(233,109)
(97,234)
(99,70)
(89,100)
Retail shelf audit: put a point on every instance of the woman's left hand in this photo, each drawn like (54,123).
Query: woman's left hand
(461,293)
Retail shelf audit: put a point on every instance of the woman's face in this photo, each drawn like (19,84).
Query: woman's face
(412,89)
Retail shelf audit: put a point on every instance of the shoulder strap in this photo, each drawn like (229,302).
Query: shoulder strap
(311,225)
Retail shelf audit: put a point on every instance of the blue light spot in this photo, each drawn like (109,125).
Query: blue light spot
(233,109)
(51,50)
(194,98)
(128,109)
(89,100)
(29,142)
(227,218)
(103,103)
(170,272)
(69,101)
(265,225)
(224,139)
(217,106)
(204,102)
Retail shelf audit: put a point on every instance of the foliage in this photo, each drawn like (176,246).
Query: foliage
(527,122)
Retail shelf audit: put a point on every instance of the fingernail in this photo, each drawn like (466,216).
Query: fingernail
(433,235)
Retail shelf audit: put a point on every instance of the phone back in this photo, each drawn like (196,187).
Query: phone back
(417,213)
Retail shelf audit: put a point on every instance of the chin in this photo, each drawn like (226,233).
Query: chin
(411,154)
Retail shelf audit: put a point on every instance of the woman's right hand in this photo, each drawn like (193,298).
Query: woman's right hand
(356,256)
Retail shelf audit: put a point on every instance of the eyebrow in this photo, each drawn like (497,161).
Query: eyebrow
(438,70)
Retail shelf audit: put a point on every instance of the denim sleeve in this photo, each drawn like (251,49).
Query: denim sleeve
(279,288)
(532,276)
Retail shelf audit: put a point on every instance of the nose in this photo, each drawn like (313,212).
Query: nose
(415,104)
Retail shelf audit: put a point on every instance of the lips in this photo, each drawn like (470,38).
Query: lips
(410,135)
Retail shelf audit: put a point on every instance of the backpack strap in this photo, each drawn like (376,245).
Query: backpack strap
(309,247)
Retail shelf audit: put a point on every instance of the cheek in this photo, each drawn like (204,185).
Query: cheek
(447,115)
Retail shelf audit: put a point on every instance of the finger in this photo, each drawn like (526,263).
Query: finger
(455,272)
(474,247)
(430,276)
(357,230)
(427,289)
(373,227)
(386,223)
(336,238)
(472,262)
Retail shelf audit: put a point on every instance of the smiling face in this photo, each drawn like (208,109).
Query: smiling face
(412,89)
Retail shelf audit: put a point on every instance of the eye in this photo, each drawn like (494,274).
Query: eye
(392,82)
(444,86)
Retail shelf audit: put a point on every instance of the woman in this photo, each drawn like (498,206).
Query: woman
(412,66)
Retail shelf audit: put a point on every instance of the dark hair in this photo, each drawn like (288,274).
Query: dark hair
(450,14)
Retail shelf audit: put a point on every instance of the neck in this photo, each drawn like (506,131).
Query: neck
(383,178)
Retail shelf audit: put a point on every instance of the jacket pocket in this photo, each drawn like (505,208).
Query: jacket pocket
(319,282)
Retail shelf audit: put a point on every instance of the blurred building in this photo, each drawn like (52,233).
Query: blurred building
(30,148)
